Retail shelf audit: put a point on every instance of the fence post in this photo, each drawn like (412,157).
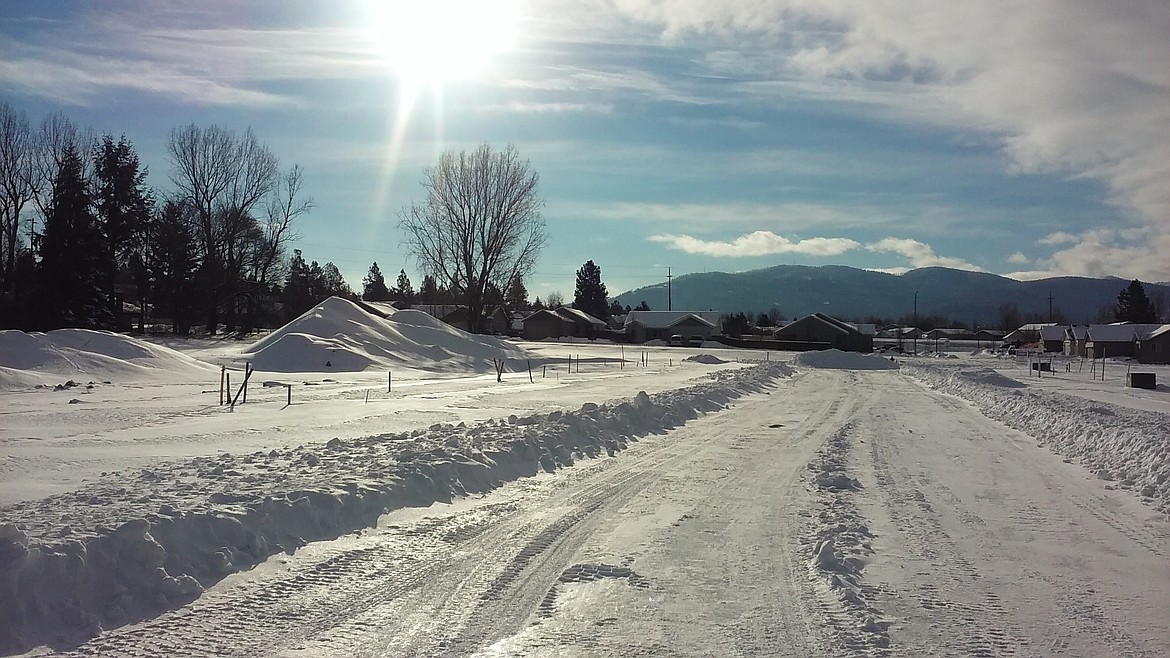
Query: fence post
(289,387)
(222,372)
(389,381)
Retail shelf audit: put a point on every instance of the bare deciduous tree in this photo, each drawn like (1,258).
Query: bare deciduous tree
(17,185)
(480,224)
(227,178)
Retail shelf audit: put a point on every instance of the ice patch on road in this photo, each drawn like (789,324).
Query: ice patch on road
(340,336)
(835,359)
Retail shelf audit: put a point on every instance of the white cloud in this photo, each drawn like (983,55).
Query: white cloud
(919,254)
(1060,237)
(1073,87)
(1107,252)
(1017,258)
(758,243)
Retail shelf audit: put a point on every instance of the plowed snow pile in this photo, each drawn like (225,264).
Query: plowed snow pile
(29,359)
(339,336)
(837,360)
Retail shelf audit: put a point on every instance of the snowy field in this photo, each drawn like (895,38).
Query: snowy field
(638,501)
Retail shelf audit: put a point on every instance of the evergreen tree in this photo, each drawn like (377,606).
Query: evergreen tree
(403,289)
(538,305)
(642,306)
(172,262)
(123,205)
(590,295)
(517,295)
(374,285)
(297,295)
(1134,306)
(332,284)
(72,273)
(616,309)
(429,293)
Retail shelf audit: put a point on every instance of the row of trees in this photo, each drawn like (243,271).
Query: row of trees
(83,237)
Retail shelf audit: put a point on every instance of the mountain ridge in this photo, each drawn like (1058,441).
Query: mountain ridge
(973,298)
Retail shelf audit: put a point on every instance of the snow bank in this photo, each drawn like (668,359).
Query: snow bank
(1129,446)
(835,359)
(339,336)
(132,544)
(46,358)
(709,359)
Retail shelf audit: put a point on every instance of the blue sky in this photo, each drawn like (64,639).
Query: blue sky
(1027,140)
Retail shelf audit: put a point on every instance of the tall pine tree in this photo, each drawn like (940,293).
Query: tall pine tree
(374,285)
(590,295)
(1134,306)
(172,261)
(123,205)
(403,289)
(72,272)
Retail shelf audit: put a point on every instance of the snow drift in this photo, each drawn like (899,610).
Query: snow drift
(28,359)
(133,544)
(835,359)
(339,336)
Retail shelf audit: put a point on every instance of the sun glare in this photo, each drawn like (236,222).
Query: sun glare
(433,41)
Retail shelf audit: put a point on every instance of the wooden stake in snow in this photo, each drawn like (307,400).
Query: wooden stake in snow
(367,397)
(243,387)
(248,370)
(222,374)
(530,379)
(389,381)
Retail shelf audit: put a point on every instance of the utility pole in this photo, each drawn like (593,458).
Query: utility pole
(669,301)
(915,322)
(1050,306)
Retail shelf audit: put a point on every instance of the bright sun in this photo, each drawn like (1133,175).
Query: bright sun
(432,41)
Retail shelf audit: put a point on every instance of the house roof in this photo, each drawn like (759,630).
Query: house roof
(689,317)
(577,315)
(818,318)
(1035,326)
(1160,331)
(1077,332)
(667,319)
(1054,332)
(1120,333)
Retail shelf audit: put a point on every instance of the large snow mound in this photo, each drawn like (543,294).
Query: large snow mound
(835,359)
(44,358)
(338,335)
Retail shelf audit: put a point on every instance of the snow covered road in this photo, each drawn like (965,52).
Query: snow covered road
(849,513)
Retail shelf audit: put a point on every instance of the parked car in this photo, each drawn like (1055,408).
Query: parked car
(676,341)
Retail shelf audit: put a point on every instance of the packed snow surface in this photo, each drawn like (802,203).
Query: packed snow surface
(594,506)
(338,336)
(835,359)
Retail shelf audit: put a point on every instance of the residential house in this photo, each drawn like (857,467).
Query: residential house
(1118,339)
(827,332)
(1154,346)
(1026,334)
(564,322)
(641,326)
(1052,338)
(1074,340)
